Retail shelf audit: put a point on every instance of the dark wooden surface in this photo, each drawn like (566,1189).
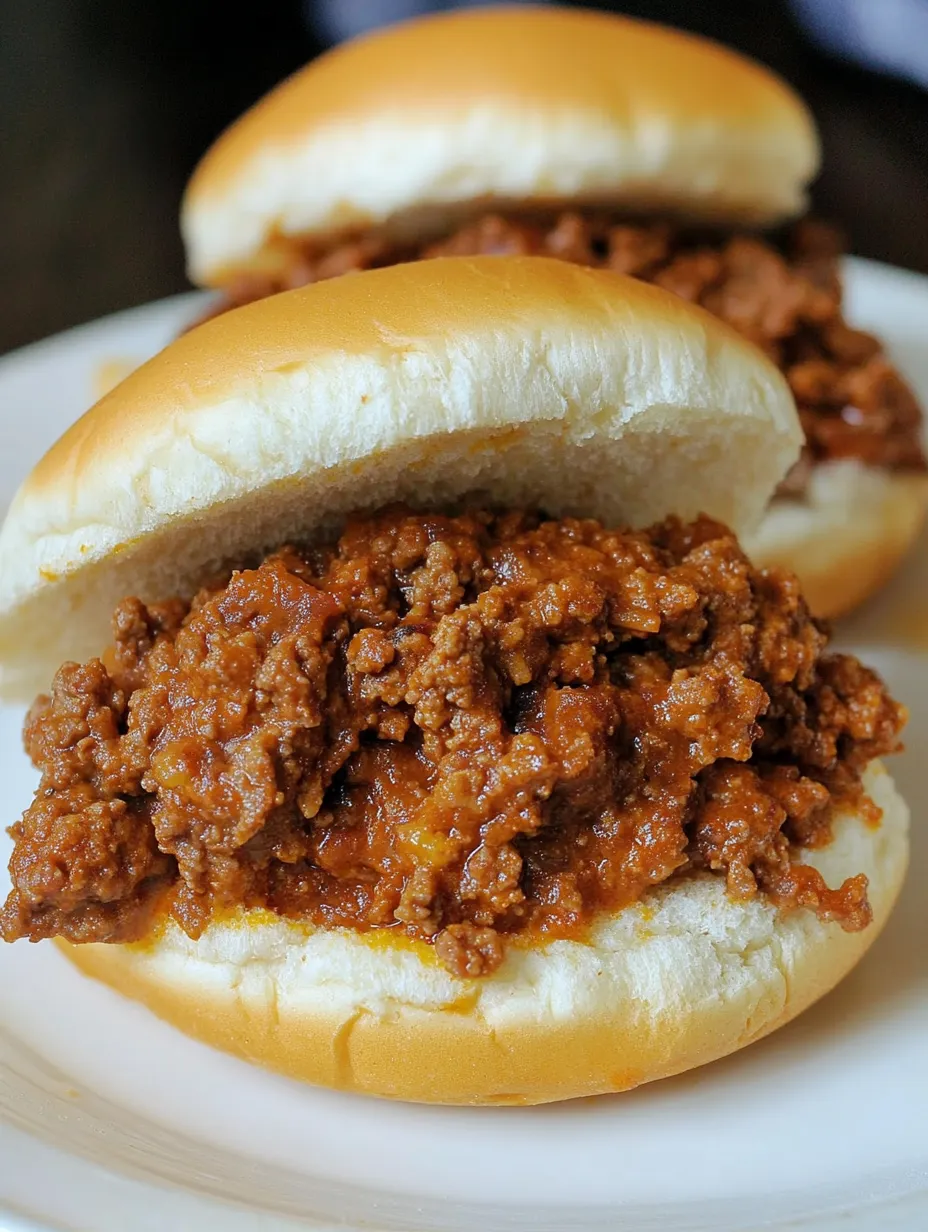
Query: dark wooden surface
(105,106)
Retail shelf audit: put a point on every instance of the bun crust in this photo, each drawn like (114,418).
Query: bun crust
(684,977)
(523,381)
(404,130)
(847,537)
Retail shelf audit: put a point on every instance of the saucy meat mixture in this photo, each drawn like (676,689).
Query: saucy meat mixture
(461,728)
(783,293)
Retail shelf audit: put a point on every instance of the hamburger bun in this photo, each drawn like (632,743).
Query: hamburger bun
(683,977)
(846,536)
(542,107)
(523,380)
(527,380)
(405,130)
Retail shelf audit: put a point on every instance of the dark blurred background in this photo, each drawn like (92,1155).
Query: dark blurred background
(105,106)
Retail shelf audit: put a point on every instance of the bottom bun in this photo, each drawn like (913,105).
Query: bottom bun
(683,977)
(846,537)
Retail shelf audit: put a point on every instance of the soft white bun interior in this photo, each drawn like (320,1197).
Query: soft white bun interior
(847,535)
(684,977)
(519,381)
(407,129)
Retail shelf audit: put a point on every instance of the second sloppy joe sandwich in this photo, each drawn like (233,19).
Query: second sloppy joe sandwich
(442,742)
(610,142)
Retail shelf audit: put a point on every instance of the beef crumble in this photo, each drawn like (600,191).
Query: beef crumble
(783,293)
(461,728)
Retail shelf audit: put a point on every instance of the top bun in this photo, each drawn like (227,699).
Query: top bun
(405,130)
(518,380)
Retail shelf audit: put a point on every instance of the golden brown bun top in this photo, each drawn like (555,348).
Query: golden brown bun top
(520,381)
(406,127)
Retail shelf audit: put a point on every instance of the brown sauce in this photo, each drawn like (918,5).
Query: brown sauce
(463,728)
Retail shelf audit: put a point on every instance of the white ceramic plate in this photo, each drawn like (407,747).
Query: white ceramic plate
(111,1121)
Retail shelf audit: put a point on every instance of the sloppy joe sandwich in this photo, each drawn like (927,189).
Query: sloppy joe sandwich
(605,141)
(419,726)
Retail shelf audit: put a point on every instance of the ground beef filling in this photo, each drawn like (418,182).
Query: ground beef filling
(784,293)
(460,728)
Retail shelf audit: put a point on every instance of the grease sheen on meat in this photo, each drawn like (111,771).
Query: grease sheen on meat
(462,727)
